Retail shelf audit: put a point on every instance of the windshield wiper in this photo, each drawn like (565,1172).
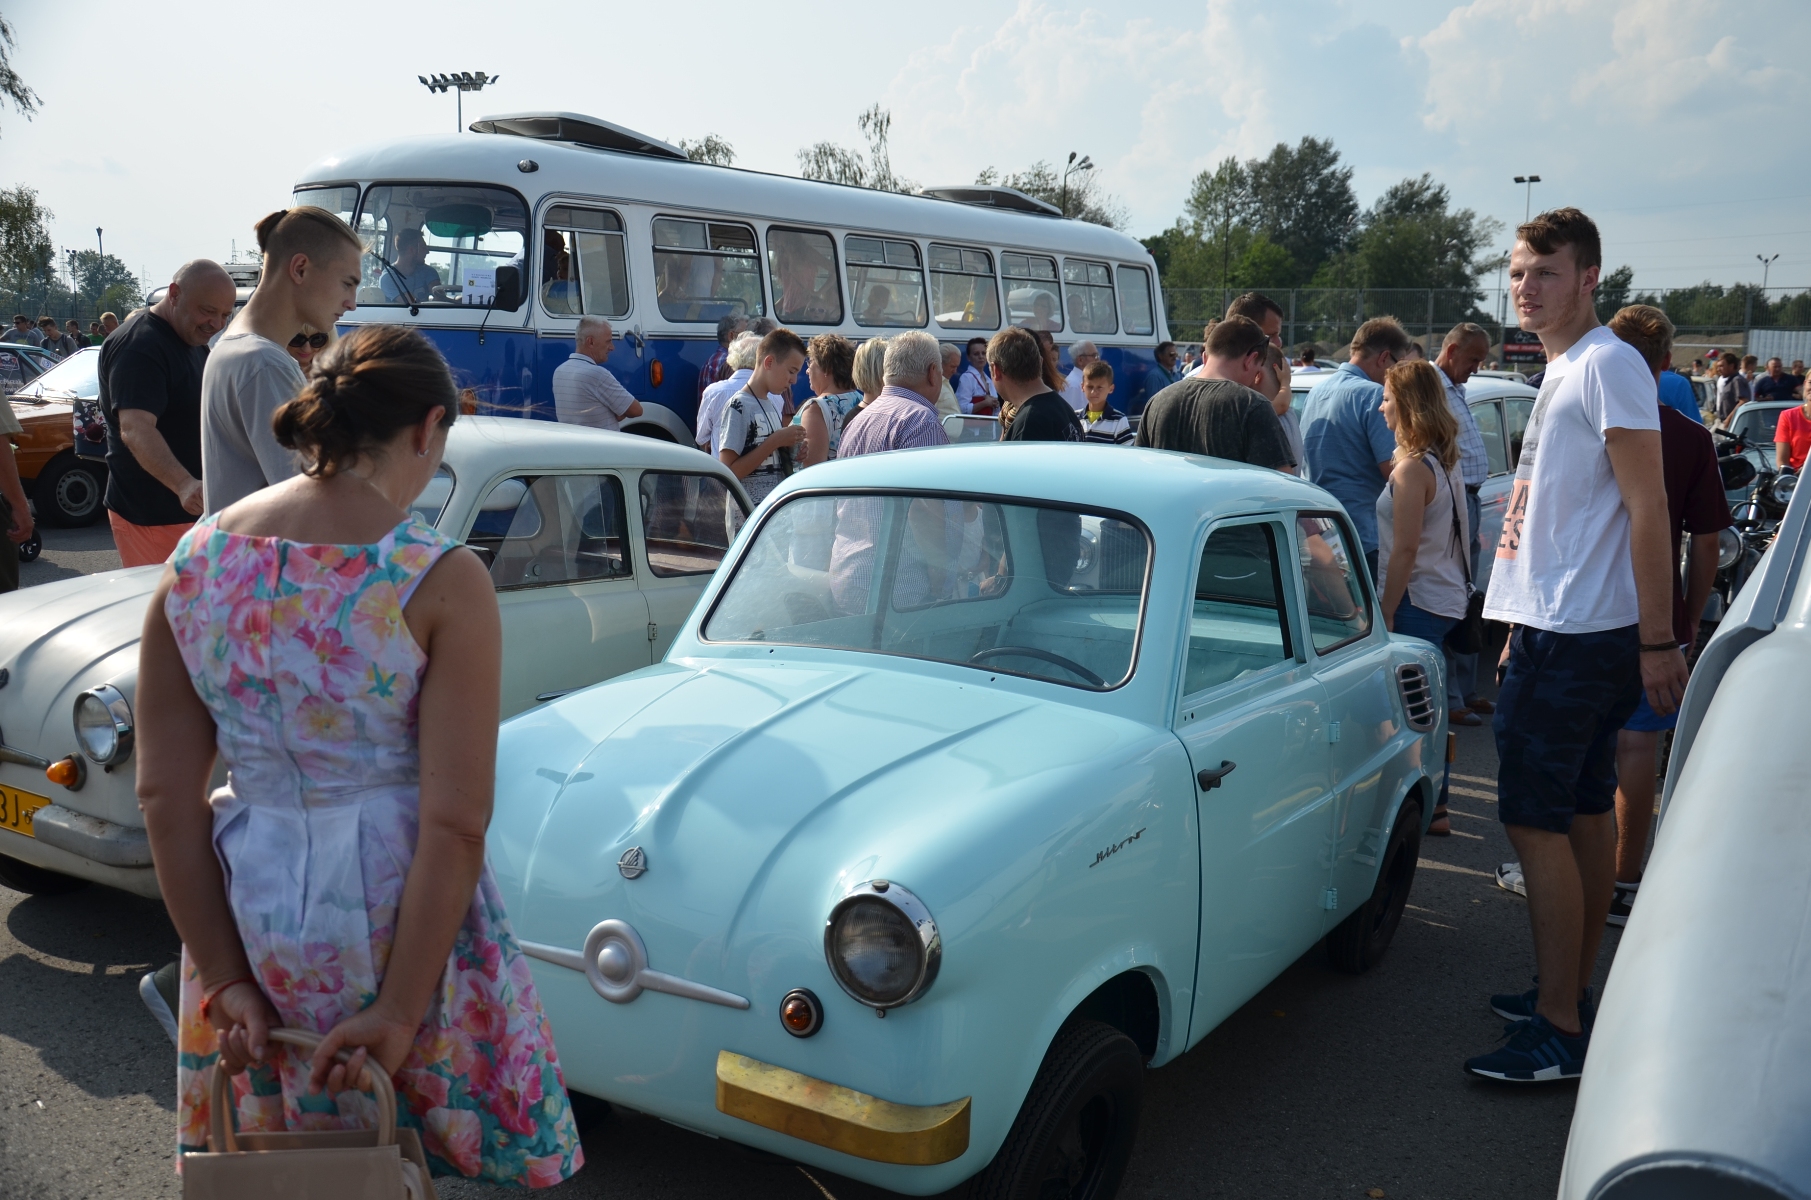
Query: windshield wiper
(401,283)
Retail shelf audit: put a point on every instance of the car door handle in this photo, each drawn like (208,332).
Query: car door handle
(1209,779)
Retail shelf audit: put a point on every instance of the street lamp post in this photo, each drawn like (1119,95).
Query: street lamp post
(1528,202)
(99,242)
(460,82)
(1766,266)
(1087,164)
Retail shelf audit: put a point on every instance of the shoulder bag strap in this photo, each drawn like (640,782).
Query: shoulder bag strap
(1458,529)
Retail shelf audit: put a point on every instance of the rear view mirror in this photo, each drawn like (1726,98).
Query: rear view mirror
(509,289)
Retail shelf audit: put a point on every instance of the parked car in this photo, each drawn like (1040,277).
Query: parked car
(1755,423)
(1053,786)
(66,481)
(598,543)
(1694,1085)
(18,366)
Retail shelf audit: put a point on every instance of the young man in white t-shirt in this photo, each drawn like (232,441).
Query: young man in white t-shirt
(1584,575)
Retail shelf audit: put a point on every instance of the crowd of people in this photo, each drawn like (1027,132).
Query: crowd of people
(59,343)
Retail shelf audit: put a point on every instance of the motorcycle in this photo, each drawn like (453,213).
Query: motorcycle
(1757,516)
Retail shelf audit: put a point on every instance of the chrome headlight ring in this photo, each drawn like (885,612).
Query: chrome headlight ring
(103,725)
(882,945)
(1729,549)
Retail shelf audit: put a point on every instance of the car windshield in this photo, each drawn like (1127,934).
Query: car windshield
(1754,423)
(76,376)
(1012,588)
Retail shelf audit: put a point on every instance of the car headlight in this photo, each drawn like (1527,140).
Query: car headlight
(882,945)
(103,725)
(1729,549)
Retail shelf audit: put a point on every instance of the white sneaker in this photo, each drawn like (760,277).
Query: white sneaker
(151,989)
(1622,903)
(1509,878)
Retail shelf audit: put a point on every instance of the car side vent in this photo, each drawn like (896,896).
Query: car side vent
(1417,697)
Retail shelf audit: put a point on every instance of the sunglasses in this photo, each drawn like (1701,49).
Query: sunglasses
(315,340)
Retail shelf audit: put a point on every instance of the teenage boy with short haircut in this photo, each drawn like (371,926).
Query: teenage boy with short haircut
(752,437)
(1583,574)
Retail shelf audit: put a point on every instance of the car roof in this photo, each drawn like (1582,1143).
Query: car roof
(1157,486)
(1490,388)
(521,443)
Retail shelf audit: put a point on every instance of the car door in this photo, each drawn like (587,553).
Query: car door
(687,524)
(1493,497)
(1352,667)
(1251,714)
(559,553)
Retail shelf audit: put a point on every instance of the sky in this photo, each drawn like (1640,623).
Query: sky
(1680,125)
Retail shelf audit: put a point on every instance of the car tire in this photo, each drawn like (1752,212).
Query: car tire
(36,881)
(68,492)
(1074,1133)
(1358,943)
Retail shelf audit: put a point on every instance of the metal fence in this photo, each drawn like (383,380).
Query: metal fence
(1329,316)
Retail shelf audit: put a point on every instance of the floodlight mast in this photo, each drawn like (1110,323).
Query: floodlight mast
(460,82)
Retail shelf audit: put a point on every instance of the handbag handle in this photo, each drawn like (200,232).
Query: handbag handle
(220,1126)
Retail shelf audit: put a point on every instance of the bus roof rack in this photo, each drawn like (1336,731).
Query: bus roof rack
(576,127)
(994,196)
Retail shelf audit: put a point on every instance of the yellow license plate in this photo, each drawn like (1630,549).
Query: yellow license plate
(17,808)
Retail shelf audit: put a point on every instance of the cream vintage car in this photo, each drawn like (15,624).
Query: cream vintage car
(599,545)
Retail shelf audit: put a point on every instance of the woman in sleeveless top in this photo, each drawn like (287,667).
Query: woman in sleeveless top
(344,658)
(829,365)
(1422,524)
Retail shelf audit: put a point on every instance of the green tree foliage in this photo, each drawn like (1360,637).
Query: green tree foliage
(26,251)
(1266,222)
(709,149)
(1302,199)
(97,276)
(1612,293)
(11,86)
(1082,199)
(1412,238)
(836,164)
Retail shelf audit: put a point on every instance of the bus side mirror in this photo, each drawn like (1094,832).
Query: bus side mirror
(509,289)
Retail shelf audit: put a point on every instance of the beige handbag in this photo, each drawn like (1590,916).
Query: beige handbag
(385,1163)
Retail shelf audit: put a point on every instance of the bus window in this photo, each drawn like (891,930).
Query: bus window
(583,268)
(963,294)
(706,270)
(339,199)
(886,281)
(1090,293)
(1135,300)
(426,241)
(1031,298)
(801,267)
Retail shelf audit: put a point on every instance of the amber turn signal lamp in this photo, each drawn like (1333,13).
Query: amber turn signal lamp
(67,772)
(656,372)
(801,1013)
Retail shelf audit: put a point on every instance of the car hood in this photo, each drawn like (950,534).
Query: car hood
(759,792)
(59,638)
(27,412)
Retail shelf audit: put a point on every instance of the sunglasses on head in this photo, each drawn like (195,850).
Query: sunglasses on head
(316,340)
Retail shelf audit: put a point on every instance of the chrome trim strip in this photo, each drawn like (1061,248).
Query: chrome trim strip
(91,837)
(615,961)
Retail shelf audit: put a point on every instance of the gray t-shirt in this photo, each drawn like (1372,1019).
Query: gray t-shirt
(247,379)
(1215,417)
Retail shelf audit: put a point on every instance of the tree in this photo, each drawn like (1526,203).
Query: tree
(1219,201)
(1612,293)
(709,149)
(26,251)
(1410,238)
(11,86)
(835,164)
(1082,200)
(96,276)
(1302,199)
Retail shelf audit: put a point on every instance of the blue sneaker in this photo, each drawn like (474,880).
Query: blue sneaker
(1519,1006)
(1533,1052)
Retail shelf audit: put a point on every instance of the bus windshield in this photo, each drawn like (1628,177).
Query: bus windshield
(440,244)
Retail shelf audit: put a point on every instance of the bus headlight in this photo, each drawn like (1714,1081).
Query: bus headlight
(882,945)
(103,725)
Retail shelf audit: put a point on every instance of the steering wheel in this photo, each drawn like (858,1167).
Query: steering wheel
(1068,664)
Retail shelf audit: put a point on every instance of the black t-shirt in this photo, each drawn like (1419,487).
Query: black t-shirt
(1767,388)
(1045,417)
(145,365)
(1215,417)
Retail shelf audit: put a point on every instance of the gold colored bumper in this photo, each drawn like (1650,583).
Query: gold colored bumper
(839,1117)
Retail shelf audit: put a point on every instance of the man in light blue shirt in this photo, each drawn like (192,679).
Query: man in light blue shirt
(413,281)
(584,390)
(1461,353)
(1347,442)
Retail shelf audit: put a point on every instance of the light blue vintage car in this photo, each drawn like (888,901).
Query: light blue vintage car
(1050,756)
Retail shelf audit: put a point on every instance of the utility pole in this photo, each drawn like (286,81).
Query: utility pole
(460,82)
(1528,202)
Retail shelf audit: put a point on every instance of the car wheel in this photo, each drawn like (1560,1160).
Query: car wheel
(1358,943)
(1073,1136)
(36,881)
(69,492)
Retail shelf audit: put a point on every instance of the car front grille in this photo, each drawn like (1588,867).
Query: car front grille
(1417,696)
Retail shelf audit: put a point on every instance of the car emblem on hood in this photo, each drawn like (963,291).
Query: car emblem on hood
(633,862)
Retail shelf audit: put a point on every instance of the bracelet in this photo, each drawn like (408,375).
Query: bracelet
(208,997)
(1659,647)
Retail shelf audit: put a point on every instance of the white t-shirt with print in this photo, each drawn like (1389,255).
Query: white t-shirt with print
(1563,563)
(747,421)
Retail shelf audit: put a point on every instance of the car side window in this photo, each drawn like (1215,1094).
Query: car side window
(553,529)
(1338,610)
(688,522)
(1240,623)
(1490,426)
(1519,412)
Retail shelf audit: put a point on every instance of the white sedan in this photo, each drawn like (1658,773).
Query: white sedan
(598,543)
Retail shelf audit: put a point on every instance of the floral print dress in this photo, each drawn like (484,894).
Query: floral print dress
(303,658)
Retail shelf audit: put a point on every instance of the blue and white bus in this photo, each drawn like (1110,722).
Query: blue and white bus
(543,218)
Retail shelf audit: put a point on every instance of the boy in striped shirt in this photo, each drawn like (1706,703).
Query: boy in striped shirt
(1101,422)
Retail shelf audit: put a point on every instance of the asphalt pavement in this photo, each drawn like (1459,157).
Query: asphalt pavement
(1324,1085)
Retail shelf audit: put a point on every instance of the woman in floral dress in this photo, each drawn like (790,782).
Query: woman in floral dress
(344,659)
